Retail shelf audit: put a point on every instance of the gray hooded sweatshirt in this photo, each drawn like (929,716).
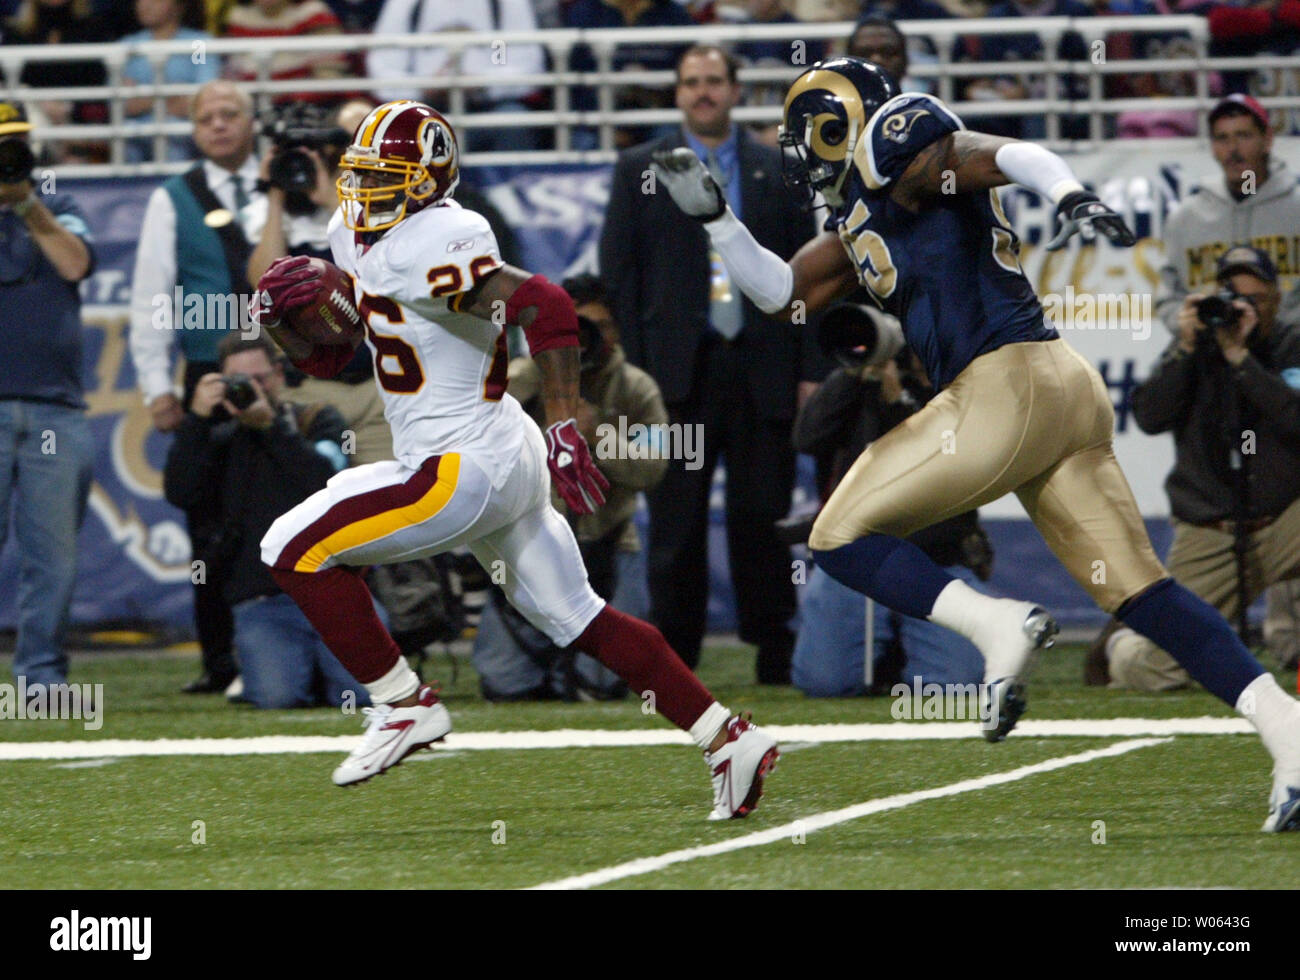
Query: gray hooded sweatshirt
(1209,221)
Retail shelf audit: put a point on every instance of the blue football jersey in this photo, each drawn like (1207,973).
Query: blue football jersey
(951,274)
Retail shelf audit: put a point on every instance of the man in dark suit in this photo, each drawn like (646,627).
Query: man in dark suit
(726,370)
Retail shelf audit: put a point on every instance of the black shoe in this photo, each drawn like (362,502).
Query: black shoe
(208,684)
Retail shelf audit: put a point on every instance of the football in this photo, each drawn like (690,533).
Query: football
(331,318)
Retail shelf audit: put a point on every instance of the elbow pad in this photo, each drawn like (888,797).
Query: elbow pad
(555,323)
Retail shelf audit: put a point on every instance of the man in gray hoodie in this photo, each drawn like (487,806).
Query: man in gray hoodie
(1256,202)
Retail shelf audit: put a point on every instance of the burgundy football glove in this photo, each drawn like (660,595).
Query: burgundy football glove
(572,469)
(289,283)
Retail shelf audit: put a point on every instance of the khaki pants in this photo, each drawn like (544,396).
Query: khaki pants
(1033,418)
(1201,559)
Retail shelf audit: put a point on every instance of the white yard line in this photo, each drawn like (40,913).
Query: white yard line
(573,738)
(830,818)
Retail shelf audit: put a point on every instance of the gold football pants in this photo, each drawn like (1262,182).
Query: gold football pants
(1034,418)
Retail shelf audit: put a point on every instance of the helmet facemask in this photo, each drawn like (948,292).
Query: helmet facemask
(807,172)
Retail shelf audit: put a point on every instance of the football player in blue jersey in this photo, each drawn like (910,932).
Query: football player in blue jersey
(915,218)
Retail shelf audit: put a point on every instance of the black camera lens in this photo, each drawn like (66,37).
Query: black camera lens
(16,160)
(239,390)
(1217,312)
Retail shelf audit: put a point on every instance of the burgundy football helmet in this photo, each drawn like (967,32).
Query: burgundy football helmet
(403,157)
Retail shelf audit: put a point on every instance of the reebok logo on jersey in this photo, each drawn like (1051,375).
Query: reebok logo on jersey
(461,245)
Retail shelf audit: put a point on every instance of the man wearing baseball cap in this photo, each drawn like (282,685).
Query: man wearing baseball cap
(1228,388)
(1253,200)
(46,450)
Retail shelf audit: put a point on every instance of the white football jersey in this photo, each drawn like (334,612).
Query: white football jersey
(442,374)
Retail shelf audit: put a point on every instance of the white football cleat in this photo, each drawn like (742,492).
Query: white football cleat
(1009,639)
(392,734)
(1283,805)
(738,769)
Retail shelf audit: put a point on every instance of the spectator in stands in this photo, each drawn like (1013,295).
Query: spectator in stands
(46,452)
(63,22)
(858,403)
(265,19)
(775,53)
(878,40)
(1010,46)
(356,16)
(198,232)
(1246,29)
(904,9)
(1253,199)
(167,20)
(620,414)
(261,460)
(1231,397)
(726,370)
(430,62)
(627,57)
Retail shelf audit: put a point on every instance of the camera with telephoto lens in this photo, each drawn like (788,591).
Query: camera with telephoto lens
(16,160)
(1217,313)
(856,336)
(292,130)
(239,390)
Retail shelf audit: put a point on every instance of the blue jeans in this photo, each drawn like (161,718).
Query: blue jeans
(46,462)
(507,671)
(828,652)
(281,654)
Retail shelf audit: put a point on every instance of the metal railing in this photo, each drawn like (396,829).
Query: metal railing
(1052,105)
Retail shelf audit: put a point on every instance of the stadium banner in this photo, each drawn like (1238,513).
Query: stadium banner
(134,560)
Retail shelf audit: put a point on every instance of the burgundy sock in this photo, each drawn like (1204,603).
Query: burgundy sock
(638,653)
(337,602)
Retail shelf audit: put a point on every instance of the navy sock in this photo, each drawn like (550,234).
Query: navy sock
(894,572)
(1194,634)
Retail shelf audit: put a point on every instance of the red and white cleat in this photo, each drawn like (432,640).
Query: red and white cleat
(392,734)
(739,768)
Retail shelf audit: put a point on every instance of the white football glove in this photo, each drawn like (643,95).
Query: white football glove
(689,183)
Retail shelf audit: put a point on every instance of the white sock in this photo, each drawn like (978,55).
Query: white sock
(398,683)
(1276,716)
(705,729)
(960,608)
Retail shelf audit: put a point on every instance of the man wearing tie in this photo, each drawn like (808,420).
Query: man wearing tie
(189,288)
(723,366)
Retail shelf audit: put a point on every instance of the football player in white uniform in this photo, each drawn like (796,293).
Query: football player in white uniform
(471,466)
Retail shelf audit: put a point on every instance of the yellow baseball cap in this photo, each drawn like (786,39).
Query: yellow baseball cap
(13,119)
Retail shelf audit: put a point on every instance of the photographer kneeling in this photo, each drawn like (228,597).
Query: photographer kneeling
(865,397)
(1229,389)
(263,456)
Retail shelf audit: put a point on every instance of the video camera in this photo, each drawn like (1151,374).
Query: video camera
(291,129)
(856,335)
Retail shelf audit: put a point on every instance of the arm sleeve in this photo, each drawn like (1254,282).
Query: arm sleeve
(822,424)
(1162,401)
(1276,395)
(191,468)
(1172,289)
(152,282)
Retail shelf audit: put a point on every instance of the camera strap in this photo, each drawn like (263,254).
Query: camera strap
(234,245)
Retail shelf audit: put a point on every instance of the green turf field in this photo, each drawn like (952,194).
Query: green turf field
(1181,812)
